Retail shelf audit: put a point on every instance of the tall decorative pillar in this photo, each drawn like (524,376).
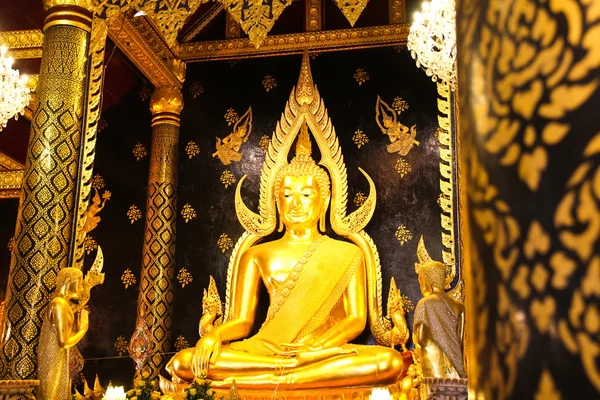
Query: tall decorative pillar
(529,81)
(158,259)
(44,233)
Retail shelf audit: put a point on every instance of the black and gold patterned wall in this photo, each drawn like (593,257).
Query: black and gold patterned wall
(530,94)
(216,95)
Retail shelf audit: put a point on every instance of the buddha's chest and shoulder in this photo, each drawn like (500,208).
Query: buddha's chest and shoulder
(277,259)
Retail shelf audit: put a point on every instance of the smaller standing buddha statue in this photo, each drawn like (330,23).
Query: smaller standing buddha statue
(65,324)
(439,322)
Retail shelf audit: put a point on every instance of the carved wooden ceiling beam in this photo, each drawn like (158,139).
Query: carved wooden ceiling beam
(141,42)
(334,40)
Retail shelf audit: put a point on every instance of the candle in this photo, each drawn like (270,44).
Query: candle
(115,393)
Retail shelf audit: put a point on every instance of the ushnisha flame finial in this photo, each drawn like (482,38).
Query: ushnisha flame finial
(303,146)
(422,255)
(305,89)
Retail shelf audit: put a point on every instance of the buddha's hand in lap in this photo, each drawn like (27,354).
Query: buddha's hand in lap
(207,351)
(310,352)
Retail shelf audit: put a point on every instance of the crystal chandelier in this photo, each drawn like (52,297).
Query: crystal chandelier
(432,41)
(14,94)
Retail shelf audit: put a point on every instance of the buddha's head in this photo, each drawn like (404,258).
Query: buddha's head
(302,189)
(432,276)
(69,284)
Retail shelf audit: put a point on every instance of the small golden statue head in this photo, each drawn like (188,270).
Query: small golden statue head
(432,274)
(302,188)
(69,284)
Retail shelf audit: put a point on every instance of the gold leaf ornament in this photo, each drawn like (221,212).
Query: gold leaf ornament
(224,242)
(269,83)
(361,76)
(192,149)
(402,167)
(227,178)
(403,234)
(184,277)
(134,213)
(181,343)
(128,278)
(360,138)
(188,213)
(121,345)
(139,151)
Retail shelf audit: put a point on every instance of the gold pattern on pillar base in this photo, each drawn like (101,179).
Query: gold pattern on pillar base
(166,104)
(48,194)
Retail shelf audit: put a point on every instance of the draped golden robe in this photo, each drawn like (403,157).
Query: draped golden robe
(53,365)
(306,298)
(434,312)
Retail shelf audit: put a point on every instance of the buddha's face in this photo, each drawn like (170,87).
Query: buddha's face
(300,202)
(425,285)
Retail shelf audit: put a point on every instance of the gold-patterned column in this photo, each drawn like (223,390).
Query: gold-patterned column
(44,231)
(528,76)
(158,258)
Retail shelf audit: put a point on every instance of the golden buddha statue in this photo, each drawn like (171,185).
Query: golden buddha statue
(65,324)
(322,290)
(439,322)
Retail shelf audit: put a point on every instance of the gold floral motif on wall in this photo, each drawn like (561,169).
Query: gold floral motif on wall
(399,104)
(269,83)
(11,244)
(359,138)
(181,343)
(361,76)
(188,213)
(128,278)
(192,149)
(264,142)
(98,182)
(231,116)
(134,213)
(89,244)
(401,137)
(184,277)
(228,148)
(121,345)
(403,235)
(224,242)
(196,89)
(139,151)
(145,92)
(227,178)
(359,199)
(402,167)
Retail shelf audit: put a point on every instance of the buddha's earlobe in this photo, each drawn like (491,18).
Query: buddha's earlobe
(322,218)
(280,226)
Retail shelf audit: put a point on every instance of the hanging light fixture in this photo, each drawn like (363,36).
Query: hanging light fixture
(14,93)
(432,41)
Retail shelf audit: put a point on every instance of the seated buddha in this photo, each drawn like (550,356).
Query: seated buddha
(317,289)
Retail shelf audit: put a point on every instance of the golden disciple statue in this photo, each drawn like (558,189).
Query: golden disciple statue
(322,291)
(439,322)
(65,324)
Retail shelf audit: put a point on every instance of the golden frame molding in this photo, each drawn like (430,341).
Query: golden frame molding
(10,184)
(321,41)
(23,44)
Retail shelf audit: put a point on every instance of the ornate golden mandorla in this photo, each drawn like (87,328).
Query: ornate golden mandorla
(324,358)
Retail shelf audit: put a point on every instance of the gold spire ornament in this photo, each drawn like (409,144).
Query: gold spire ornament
(212,307)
